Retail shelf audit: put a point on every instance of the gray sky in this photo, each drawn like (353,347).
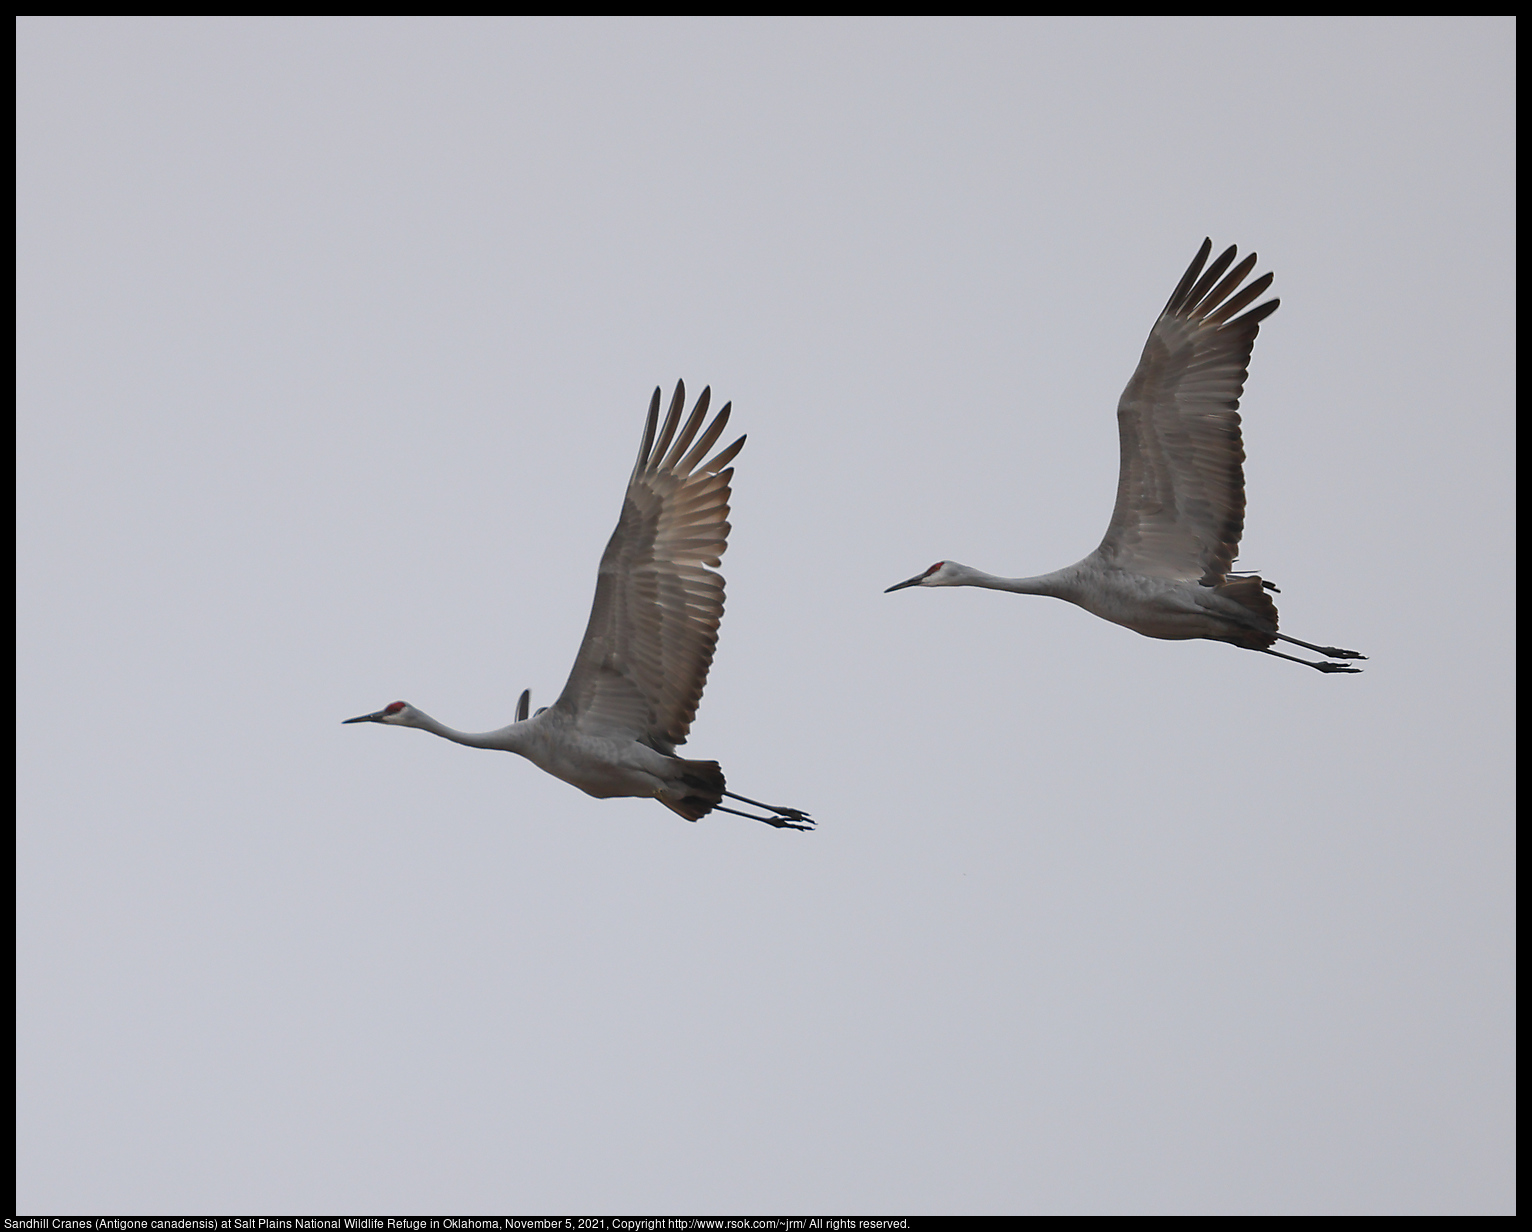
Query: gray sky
(336,337)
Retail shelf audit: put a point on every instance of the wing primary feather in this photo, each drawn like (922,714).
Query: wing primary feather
(1219,293)
(1240,300)
(705,441)
(1189,277)
(1258,314)
(523,705)
(715,465)
(1209,276)
(684,436)
(672,417)
(643,449)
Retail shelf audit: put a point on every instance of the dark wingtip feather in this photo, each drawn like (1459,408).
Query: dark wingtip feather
(643,449)
(1190,276)
(705,441)
(689,430)
(672,417)
(1259,313)
(1211,275)
(724,457)
(1239,301)
(1218,294)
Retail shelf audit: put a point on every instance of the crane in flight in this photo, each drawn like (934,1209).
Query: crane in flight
(633,692)
(1163,568)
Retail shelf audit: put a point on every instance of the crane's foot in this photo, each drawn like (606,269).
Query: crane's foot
(1333,667)
(1336,653)
(781,823)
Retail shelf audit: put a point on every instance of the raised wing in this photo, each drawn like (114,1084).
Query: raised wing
(654,624)
(1181,490)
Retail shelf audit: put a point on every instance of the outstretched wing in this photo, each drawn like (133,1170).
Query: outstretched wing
(654,624)
(1181,490)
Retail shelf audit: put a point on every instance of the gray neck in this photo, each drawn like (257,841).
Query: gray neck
(1055,585)
(510,739)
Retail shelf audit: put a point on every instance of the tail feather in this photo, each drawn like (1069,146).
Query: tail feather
(704,783)
(1251,594)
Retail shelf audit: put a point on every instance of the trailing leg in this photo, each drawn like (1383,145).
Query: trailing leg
(1331,651)
(779,822)
(785,817)
(1318,667)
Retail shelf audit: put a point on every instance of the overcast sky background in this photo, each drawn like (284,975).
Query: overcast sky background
(336,338)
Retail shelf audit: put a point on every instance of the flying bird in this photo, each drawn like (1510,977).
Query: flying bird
(639,674)
(1163,568)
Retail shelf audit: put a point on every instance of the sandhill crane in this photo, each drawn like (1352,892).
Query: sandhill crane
(638,677)
(1163,568)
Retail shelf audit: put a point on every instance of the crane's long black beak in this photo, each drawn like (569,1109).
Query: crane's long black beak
(374,717)
(914,581)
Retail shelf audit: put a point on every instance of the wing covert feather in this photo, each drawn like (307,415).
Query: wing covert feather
(653,626)
(1181,487)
